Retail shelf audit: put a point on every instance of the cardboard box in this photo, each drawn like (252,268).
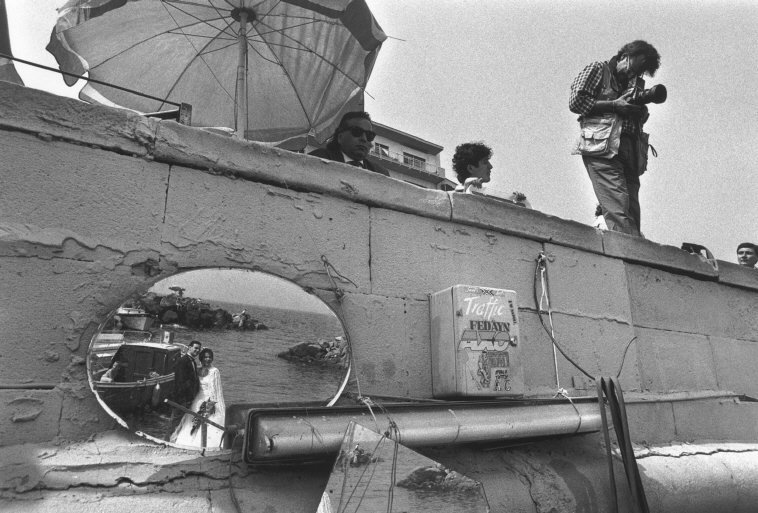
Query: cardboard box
(475,343)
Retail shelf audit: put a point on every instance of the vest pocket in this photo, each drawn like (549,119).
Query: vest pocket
(599,136)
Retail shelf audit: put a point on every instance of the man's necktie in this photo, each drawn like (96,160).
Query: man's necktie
(356,163)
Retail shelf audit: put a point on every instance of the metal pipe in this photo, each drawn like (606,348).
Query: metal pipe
(300,434)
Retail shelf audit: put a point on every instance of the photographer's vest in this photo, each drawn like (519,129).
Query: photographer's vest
(600,134)
(607,92)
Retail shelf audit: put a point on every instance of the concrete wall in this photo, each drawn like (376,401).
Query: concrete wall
(97,204)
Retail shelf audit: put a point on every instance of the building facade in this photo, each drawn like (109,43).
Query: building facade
(409,158)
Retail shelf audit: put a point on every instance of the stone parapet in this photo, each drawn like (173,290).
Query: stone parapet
(98,204)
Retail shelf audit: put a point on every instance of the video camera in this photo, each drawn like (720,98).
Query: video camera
(641,96)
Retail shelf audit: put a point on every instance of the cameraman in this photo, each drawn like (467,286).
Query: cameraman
(616,180)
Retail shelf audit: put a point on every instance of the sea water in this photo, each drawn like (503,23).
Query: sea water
(250,370)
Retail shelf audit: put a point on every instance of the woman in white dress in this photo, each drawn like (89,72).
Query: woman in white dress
(209,402)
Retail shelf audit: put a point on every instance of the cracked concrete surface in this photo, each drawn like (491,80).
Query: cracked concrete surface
(112,463)
(97,204)
(116,471)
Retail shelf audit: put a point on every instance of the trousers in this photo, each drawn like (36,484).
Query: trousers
(616,183)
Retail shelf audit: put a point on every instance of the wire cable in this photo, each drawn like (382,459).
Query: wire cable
(542,262)
(93,80)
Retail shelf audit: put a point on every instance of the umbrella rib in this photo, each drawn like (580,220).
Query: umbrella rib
(272,61)
(194,3)
(169,31)
(312,21)
(289,78)
(198,54)
(304,48)
(273,6)
(200,21)
(295,17)
(198,36)
(233,43)
(228,25)
(290,16)
(301,47)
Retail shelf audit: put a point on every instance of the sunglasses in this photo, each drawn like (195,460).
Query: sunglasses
(358,131)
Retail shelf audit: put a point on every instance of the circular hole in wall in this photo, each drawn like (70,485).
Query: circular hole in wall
(263,340)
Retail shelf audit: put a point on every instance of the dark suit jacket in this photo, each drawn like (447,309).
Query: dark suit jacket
(327,153)
(186,382)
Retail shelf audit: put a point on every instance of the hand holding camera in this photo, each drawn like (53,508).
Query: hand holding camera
(622,105)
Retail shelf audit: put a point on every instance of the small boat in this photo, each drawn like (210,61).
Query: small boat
(128,325)
(134,318)
(106,343)
(146,379)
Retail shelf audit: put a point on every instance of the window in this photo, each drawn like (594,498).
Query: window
(382,150)
(414,161)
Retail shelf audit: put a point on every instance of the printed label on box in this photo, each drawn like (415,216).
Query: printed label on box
(476,346)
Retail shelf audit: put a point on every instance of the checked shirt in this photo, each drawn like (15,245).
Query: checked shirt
(585,90)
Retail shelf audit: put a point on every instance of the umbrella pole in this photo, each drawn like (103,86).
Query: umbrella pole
(240,97)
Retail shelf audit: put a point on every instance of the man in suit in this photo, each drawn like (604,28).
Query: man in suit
(352,142)
(186,382)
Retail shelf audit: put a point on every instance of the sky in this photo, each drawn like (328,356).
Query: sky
(243,287)
(500,71)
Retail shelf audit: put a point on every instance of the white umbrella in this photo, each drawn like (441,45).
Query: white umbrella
(8,71)
(271,69)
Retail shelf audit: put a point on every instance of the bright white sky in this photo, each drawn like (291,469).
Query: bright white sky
(243,287)
(499,71)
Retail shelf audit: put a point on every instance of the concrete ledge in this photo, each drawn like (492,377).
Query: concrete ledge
(735,364)
(91,197)
(118,472)
(722,419)
(381,365)
(192,147)
(442,254)
(660,256)
(650,423)
(31,110)
(675,362)
(511,219)
(214,221)
(587,285)
(737,275)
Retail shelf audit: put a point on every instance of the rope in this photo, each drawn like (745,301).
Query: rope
(563,393)
(331,272)
(93,80)
(542,258)
(393,430)
(360,478)
(542,263)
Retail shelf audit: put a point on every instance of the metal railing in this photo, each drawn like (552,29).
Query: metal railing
(400,158)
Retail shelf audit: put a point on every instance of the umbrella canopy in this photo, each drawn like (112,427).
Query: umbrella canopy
(270,69)
(7,70)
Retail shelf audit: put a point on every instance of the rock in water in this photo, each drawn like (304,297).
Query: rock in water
(439,479)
